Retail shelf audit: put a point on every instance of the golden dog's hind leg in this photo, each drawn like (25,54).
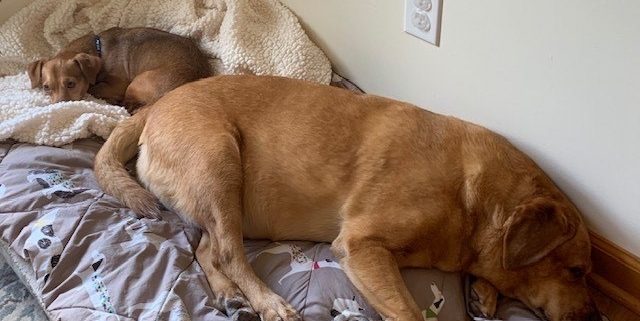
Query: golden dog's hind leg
(228,297)
(374,271)
(220,198)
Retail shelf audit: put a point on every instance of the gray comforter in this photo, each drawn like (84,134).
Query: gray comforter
(86,257)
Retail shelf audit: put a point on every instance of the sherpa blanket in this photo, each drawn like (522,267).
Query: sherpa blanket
(26,115)
(241,36)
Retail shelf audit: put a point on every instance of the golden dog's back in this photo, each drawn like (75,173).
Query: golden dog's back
(318,145)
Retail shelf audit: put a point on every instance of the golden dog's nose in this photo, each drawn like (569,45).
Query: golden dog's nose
(594,316)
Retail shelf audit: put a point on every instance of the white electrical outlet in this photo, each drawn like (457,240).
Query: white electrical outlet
(422,19)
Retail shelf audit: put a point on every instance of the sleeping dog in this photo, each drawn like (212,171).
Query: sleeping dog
(384,181)
(130,67)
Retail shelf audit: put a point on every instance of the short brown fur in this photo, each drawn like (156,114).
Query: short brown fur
(389,184)
(134,67)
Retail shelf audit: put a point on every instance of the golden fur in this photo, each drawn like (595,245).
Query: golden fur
(389,184)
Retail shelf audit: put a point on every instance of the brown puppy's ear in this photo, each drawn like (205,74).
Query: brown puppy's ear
(89,65)
(35,73)
(534,230)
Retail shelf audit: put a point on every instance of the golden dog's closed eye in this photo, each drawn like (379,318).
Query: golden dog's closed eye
(577,272)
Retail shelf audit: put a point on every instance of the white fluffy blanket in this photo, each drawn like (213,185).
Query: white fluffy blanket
(26,115)
(241,36)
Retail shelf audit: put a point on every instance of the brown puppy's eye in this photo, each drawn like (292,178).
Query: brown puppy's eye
(577,272)
(71,84)
(46,87)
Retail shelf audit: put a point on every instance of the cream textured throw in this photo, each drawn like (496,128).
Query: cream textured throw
(241,37)
(26,115)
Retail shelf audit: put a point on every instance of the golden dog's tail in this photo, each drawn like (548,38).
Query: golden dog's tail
(110,169)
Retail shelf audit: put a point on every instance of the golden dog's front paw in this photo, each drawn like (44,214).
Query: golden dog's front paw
(487,298)
(276,309)
(238,308)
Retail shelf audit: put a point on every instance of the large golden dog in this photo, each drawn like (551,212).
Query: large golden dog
(281,159)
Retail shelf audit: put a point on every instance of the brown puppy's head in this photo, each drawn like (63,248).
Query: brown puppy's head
(545,258)
(66,76)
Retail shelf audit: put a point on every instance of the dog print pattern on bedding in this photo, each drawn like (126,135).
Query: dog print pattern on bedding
(54,183)
(92,259)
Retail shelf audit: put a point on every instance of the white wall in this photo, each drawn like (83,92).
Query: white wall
(560,79)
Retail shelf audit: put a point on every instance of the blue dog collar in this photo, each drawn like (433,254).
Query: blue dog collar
(98,44)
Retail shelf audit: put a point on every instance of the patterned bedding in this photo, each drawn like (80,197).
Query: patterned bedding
(86,257)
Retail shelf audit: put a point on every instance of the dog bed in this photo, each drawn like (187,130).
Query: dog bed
(86,257)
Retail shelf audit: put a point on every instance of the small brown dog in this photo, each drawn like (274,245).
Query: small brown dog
(129,67)
(390,184)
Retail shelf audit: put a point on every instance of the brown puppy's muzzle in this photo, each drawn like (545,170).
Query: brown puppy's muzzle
(59,98)
(67,96)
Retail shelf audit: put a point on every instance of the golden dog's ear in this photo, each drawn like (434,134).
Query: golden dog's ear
(534,230)
(89,65)
(34,70)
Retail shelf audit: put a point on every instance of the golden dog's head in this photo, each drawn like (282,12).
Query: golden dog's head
(66,76)
(543,256)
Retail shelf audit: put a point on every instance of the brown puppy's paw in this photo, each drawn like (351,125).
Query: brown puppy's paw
(274,308)
(132,106)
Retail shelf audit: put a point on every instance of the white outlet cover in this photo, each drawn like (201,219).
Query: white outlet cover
(421,23)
